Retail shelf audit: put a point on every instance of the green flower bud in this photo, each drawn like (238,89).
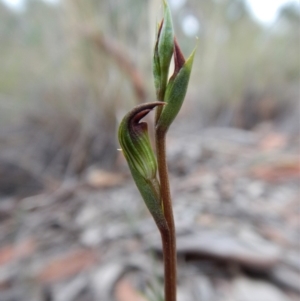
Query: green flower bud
(135,143)
(163,52)
(136,147)
(176,88)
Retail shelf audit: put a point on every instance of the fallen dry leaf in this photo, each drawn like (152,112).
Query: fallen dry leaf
(66,266)
(16,251)
(125,292)
(277,171)
(98,178)
(273,141)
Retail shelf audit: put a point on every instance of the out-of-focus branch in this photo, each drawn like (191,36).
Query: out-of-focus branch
(120,56)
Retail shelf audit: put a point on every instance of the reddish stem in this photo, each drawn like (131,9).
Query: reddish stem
(168,237)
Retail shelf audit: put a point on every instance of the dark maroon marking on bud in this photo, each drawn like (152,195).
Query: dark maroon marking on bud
(136,118)
(179,59)
(138,113)
(158,33)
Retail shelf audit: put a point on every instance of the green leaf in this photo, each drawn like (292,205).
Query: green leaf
(175,92)
(163,52)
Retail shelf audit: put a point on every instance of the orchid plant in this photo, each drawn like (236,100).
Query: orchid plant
(149,169)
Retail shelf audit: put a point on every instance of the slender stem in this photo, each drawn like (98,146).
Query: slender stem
(168,237)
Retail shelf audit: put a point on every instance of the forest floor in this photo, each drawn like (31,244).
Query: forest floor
(236,206)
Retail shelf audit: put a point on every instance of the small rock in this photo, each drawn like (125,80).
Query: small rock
(255,189)
(87,215)
(91,237)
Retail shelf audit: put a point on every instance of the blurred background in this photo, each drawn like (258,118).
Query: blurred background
(72,225)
